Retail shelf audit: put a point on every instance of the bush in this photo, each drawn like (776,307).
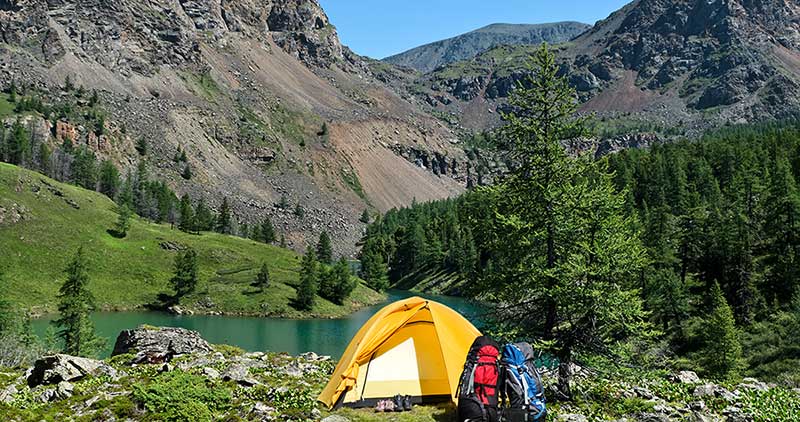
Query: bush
(179,396)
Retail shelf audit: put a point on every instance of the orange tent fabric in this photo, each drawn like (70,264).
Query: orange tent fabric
(412,347)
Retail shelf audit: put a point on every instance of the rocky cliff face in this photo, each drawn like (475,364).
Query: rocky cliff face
(730,60)
(244,87)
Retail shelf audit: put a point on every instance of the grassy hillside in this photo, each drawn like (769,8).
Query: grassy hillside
(43,222)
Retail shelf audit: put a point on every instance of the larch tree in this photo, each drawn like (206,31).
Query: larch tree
(308,287)
(324,249)
(75,306)
(568,256)
(184,279)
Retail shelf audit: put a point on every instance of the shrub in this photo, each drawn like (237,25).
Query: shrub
(179,396)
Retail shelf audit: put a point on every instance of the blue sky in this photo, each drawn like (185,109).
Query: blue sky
(380,28)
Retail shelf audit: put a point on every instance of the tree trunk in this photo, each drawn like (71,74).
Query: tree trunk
(565,375)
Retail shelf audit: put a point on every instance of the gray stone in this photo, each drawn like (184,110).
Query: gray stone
(174,341)
(643,393)
(64,390)
(705,390)
(211,373)
(294,371)
(651,417)
(688,377)
(56,368)
(753,384)
(239,374)
(697,405)
(7,395)
(735,414)
(572,417)
(335,418)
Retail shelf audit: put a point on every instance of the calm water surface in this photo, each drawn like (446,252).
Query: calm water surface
(323,336)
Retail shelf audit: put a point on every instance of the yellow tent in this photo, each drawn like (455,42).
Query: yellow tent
(413,347)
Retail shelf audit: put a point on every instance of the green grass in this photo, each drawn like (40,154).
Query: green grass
(350,178)
(131,272)
(6,107)
(202,85)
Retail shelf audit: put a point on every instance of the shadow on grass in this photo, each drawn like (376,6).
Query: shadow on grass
(116,234)
(162,303)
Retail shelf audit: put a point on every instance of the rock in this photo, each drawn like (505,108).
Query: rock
(211,373)
(7,395)
(174,341)
(753,384)
(239,374)
(179,310)
(572,417)
(651,417)
(64,390)
(313,357)
(335,418)
(316,414)
(705,390)
(294,371)
(262,412)
(687,377)
(47,395)
(643,393)
(735,414)
(697,405)
(56,368)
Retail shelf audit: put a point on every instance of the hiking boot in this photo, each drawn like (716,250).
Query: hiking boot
(389,406)
(380,407)
(397,401)
(407,403)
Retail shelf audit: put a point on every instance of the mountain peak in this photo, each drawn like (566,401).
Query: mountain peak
(431,56)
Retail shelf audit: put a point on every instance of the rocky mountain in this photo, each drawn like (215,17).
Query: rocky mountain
(261,95)
(466,46)
(688,63)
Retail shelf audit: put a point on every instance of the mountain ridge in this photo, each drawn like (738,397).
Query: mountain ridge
(698,64)
(430,56)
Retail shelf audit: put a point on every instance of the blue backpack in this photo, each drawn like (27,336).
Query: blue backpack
(521,385)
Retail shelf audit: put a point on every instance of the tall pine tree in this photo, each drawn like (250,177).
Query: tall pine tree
(75,306)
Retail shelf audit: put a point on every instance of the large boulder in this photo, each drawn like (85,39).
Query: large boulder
(57,368)
(161,341)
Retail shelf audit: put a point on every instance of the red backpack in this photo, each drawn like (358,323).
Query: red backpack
(478,390)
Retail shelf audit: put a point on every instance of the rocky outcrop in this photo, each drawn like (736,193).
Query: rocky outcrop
(64,368)
(160,340)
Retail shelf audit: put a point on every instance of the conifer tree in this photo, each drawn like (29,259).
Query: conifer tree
(75,305)
(267,231)
(299,211)
(722,354)
(374,270)
(324,250)
(123,221)
(187,172)
(307,290)
(204,219)
(345,282)
(184,280)
(187,219)
(560,230)
(109,179)
(262,279)
(283,241)
(224,218)
(365,218)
